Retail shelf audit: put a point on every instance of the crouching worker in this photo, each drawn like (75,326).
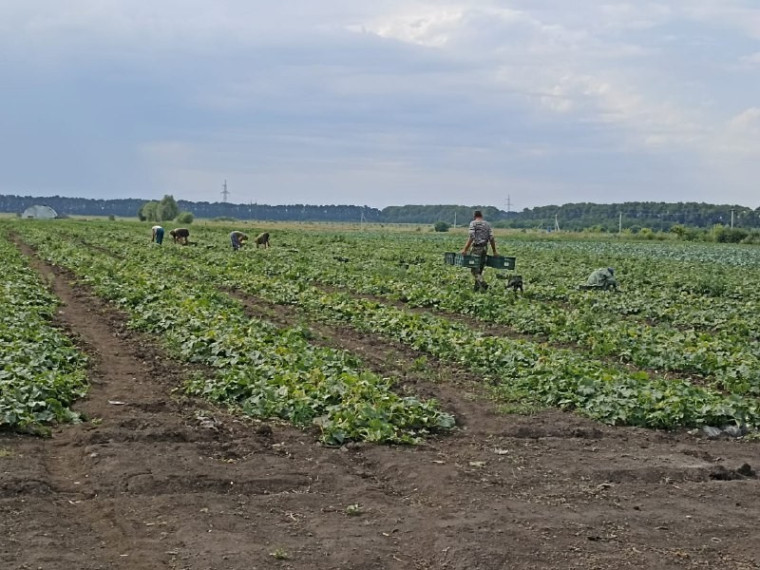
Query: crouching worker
(603,279)
(158,234)
(262,239)
(180,235)
(238,240)
(481,235)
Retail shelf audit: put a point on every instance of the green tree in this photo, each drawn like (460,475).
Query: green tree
(441,227)
(680,230)
(149,212)
(168,208)
(185,218)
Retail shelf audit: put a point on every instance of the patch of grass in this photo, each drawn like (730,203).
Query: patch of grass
(354,510)
(279,554)
(420,364)
(4,452)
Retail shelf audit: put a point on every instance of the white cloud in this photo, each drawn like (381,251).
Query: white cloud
(740,137)
(748,121)
(407,92)
(752,59)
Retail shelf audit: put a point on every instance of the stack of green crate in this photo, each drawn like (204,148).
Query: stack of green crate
(495,261)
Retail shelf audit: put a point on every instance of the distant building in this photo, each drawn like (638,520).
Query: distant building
(39,213)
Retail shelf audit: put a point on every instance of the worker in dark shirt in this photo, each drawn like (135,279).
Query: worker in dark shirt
(180,235)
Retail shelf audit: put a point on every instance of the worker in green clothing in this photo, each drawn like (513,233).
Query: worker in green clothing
(481,235)
(603,278)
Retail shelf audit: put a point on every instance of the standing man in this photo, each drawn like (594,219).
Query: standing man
(481,235)
(158,234)
(238,239)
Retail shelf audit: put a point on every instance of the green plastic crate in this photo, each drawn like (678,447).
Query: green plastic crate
(500,262)
(461,260)
(495,261)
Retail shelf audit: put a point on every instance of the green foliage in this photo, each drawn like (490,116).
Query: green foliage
(165,210)
(279,554)
(658,216)
(260,369)
(677,348)
(430,214)
(185,218)
(41,372)
(441,226)
(724,234)
(752,238)
(148,212)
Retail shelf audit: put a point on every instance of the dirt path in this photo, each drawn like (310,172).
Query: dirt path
(153,485)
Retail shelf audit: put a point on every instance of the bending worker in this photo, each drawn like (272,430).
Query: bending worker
(180,235)
(158,234)
(481,235)
(262,239)
(238,239)
(603,278)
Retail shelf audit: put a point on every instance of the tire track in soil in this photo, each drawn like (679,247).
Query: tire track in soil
(549,491)
(124,398)
(130,394)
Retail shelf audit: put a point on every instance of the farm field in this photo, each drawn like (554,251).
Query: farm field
(345,400)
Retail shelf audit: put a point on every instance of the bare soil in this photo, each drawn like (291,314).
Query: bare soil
(156,480)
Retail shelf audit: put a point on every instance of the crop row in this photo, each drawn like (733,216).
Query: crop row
(403,267)
(665,284)
(522,370)
(263,370)
(726,358)
(685,293)
(41,371)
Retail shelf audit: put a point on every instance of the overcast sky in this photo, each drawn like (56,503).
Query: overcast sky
(382,102)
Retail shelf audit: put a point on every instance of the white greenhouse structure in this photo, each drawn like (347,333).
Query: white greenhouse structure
(39,213)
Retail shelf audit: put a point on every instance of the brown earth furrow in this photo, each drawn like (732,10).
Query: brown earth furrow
(145,487)
(454,387)
(505,331)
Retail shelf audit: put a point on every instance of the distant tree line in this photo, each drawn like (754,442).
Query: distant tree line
(632,216)
(459,215)
(131,207)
